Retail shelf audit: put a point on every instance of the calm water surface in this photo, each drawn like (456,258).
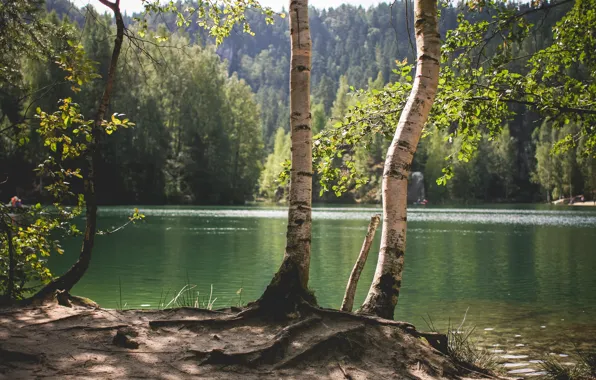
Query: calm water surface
(526,276)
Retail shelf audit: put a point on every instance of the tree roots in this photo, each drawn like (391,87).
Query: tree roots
(268,353)
(307,338)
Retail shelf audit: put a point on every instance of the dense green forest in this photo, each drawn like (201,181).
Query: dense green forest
(212,123)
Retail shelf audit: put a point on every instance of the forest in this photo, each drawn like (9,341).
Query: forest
(211,123)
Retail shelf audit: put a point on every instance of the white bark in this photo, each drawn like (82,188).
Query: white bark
(299,215)
(384,291)
(348,301)
(290,284)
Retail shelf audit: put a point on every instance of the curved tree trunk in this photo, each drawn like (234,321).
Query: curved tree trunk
(384,291)
(290,283)
(68,280)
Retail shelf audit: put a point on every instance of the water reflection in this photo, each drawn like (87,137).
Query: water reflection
(456,215)
(516,270)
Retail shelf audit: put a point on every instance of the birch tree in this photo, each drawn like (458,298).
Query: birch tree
(384,291)
(290,284)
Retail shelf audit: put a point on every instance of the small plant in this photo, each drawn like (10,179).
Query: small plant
(462,349)
(120,305)
(239,293)
(162,299)
(585,368)
(186,298)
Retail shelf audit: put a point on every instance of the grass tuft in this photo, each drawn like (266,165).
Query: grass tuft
(463,350)
(120,305)
(584,369)
(186,297)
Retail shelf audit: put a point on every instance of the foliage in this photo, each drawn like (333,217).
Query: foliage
(481,87)
(270,185)
(24,32)
(216,136)
(217,17)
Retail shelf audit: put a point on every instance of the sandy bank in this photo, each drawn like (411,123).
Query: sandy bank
(71,343)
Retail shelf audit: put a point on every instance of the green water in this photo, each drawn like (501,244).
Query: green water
(522,271)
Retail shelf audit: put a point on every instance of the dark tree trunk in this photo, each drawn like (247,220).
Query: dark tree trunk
(68,280)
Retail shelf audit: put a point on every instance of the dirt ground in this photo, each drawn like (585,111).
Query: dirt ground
(76,342)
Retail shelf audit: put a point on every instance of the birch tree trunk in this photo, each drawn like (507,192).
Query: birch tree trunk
(290,284)
(384,291)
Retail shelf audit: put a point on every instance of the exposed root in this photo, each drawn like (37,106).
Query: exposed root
(265,354)
(339,340)
(285,295)
(361,317)
(63,298)
(187,323)
(226,320)
(344,372)
(194,310)
(92,328)
(74,316)
(435,340)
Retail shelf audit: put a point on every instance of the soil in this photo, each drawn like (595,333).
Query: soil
(61,342)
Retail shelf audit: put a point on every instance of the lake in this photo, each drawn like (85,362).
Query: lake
(524,274)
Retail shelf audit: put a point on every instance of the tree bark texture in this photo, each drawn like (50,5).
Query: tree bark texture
(291,280)
(384,291)
(299,215)
(348,302)
(68,280)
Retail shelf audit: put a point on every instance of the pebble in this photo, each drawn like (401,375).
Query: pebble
(517,335)
(542,327)
(519,345)
(489,329)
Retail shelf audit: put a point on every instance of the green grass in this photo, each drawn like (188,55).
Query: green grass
(120,305)
(584,369)
(188,297)
(463,350)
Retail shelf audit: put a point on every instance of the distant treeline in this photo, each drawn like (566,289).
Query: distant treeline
(212,124)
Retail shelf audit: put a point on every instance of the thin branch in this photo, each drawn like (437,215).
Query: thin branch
(563,109)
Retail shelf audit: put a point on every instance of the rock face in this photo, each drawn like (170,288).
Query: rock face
(416,188)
